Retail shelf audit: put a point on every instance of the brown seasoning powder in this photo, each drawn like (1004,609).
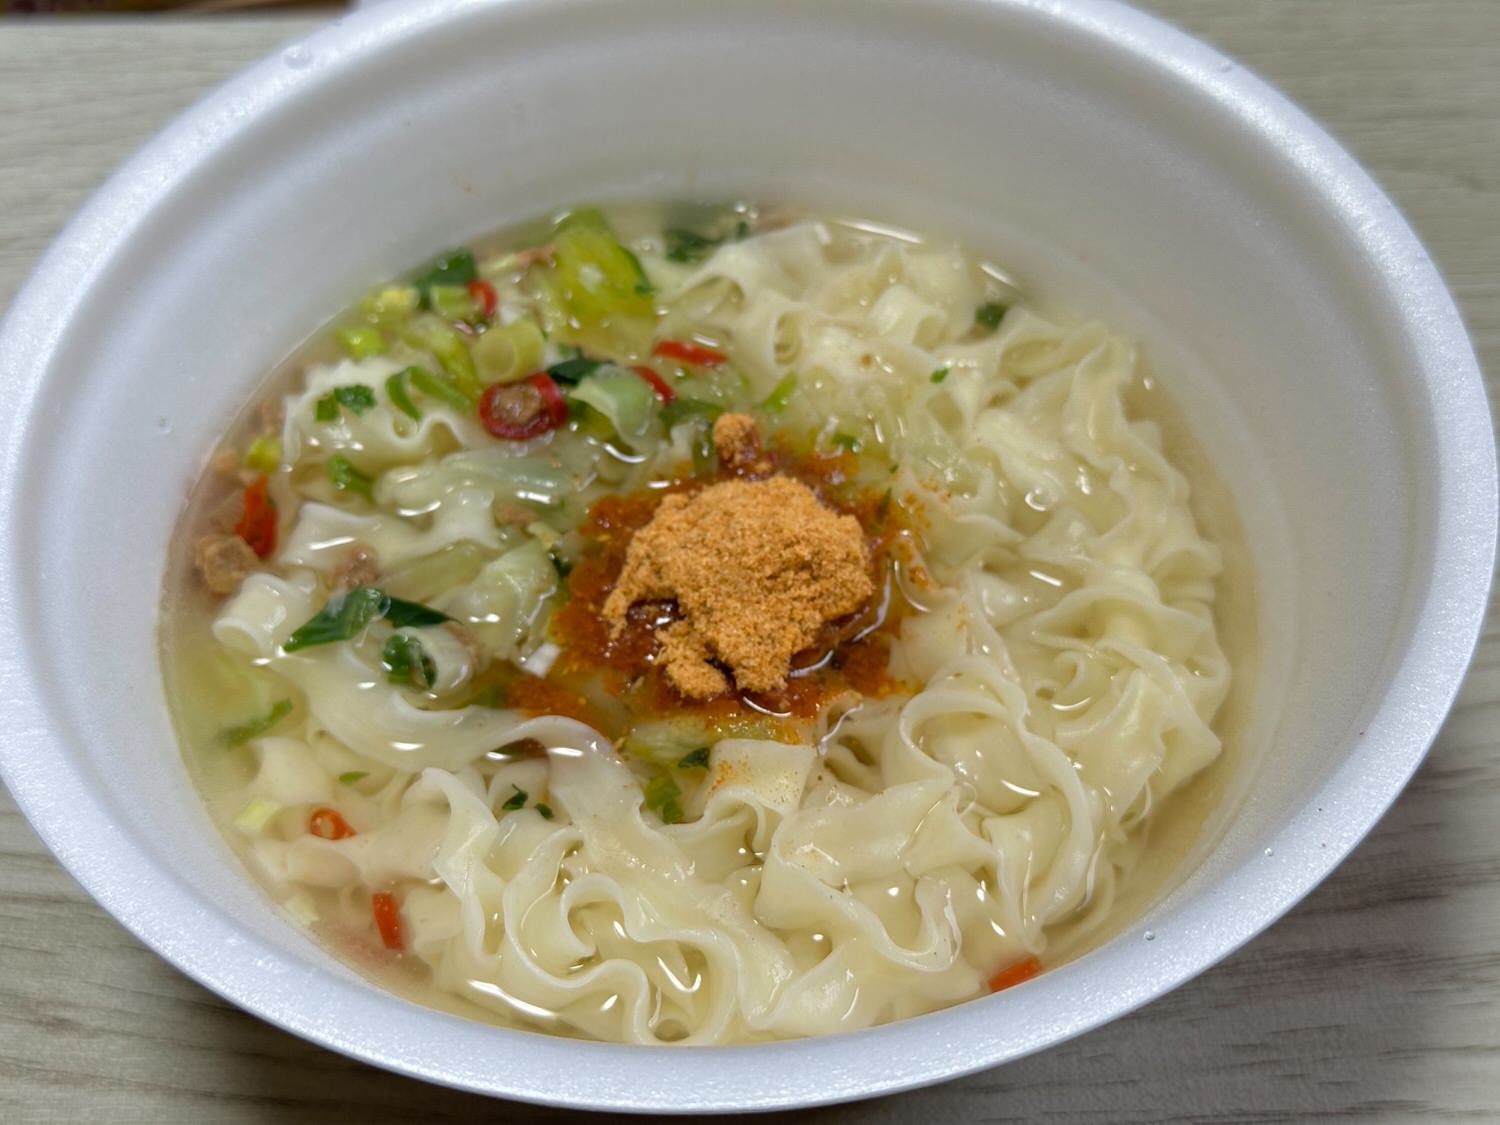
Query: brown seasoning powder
(755,567)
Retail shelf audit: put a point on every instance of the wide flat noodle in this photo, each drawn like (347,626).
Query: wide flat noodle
(1068,666)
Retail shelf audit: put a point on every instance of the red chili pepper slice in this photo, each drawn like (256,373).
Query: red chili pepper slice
(483,292)
(662,388)
(517,411)
(329,824)
(257,525)
(695,354)
(387,920)
(1018,973)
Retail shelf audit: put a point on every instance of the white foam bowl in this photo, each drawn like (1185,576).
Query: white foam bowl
(1102,156)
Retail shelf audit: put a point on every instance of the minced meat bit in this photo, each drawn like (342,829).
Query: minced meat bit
(224,561)
(360,566)
(737,442)
(755,567)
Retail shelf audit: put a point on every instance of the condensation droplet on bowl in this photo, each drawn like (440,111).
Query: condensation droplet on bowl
(1270,851)
(298,58)
(1149,935)
(164,425)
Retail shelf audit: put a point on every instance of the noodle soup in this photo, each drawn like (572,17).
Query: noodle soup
(744,626)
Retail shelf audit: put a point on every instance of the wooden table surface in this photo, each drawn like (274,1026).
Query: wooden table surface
(1377,998)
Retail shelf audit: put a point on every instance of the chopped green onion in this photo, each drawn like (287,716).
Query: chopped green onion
(453,302)
(681,409)
(455,268)
(437,336)
(347,478)
(663,796)
(545,811)
(434,386)
(940,374)
(352,776)
(780,395)
(264,454)
(254,817)
(346,615)
(848,442)
(560,564)
(508,352)
(362,342)
(572,370)
(394,303)
(326,409)
(702,414)
(395,390)
(697,760)
(407,662)
(687,245)
(516,800)
(242,733)
(990,315)
(403,614)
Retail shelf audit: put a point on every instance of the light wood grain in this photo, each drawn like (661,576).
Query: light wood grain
(1378,998)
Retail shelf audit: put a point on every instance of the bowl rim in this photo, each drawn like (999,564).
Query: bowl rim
(806,1072)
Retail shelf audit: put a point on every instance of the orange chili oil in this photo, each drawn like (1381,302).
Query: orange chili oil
(612,683)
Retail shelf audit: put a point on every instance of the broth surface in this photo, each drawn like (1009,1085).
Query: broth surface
(484,796)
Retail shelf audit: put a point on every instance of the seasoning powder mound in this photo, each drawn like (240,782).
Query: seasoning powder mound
(755,568)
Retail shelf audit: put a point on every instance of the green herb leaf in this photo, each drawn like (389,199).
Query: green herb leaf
(697,760)
(990,315)
(545,810)
(356,397)
(439,388)
(663,796)
(352,776)
(681,409)
(395,390)
(687,245)
(780,395)
(407,662)
(572,370)
(344,616)
(346,477)
(940,374)
(516,800)
(456,267)
(253,728)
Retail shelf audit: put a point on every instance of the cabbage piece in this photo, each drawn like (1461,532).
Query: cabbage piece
(621,396)
(592,276)
(503,605)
